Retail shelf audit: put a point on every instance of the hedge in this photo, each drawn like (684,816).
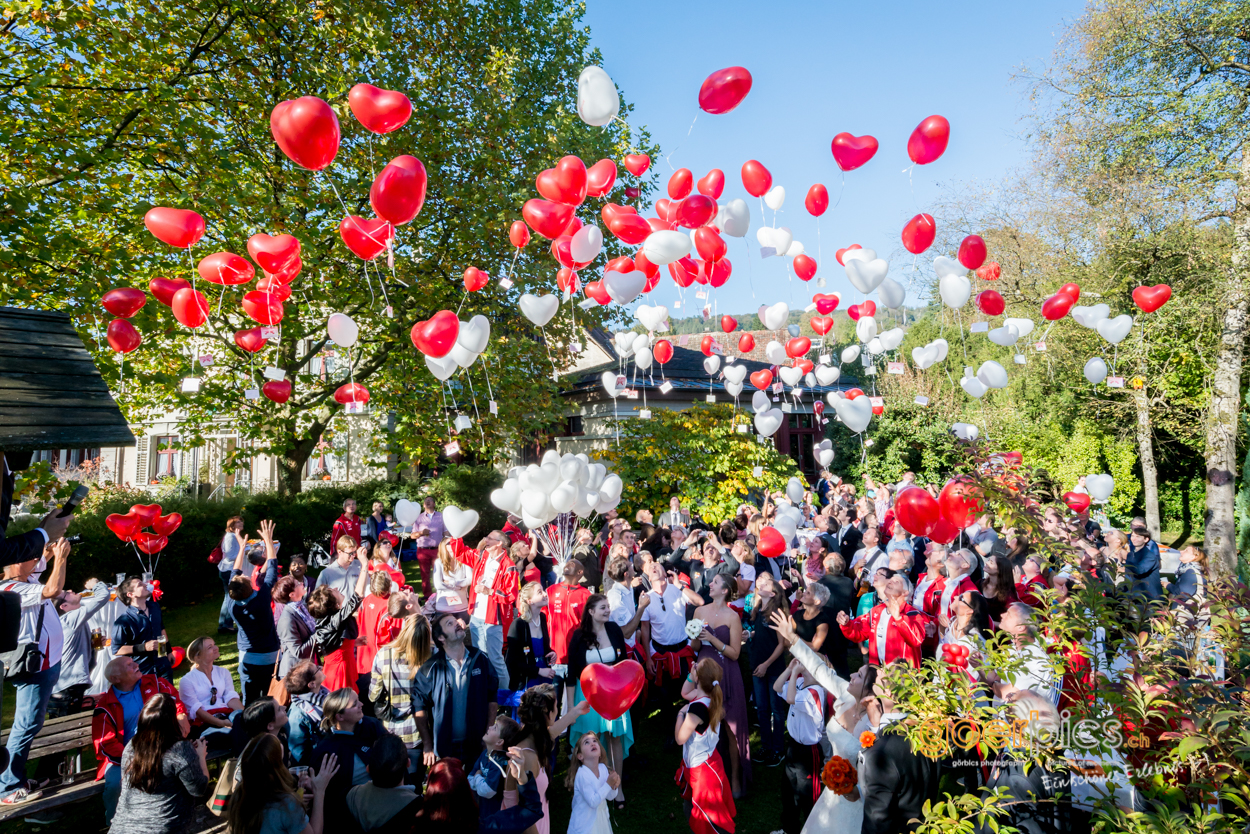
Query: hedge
(301,520)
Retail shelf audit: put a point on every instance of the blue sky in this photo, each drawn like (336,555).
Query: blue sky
(821,68)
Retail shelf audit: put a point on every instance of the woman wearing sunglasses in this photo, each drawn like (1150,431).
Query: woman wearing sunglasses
(208,693)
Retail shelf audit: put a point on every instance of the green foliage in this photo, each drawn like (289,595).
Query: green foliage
(906,438)
(698,455)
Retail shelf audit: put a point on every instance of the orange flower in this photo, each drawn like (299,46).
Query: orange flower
(867,739)
(839,776)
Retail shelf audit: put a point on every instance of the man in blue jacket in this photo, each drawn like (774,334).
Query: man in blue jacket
(1142,563)
(457,692)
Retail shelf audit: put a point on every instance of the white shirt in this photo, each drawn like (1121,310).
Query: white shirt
(747,573)
(196,690)
(869,558)
(449,593)
(883,630)
(621,600)
(805,720)
(1036,673)
(667,617)
(590,790)
(51,637)
(488,579)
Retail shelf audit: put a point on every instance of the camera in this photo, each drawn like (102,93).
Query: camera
(76,539)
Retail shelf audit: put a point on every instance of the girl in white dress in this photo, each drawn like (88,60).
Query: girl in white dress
(591,783)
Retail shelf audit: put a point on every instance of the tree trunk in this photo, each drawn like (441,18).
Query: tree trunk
(1222,417)
(1146,453)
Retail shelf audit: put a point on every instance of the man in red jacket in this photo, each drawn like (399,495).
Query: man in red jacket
(893,629)
(117,717)
(492,600)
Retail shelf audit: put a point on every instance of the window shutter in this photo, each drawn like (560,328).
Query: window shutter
(142,473)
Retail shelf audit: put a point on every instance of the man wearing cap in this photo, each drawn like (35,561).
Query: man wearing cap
(1142,563)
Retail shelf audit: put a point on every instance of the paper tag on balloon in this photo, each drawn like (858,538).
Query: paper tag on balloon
(894,368)
(269,331)
(191,385)
(742,428)
(1040,347)
(354,408)
(758,471)
(796,392)
(463,422)
(777,388)
(1115,382)
(390,312)
(876,402)
(644,414)
(494,408)
(707,311)
(787,408)
(506,283)
(826,359)
(871,370)
(587,303)
(818,342)
(452,448)
(568,294)
(1020,359)
(576,348)
(682,341)
(729,360)
(767,251)
(820,280)
(979,327)
(809,307)
(701,294)
(206,360)
(717,349)
(631,394)
(922,400)
(676,306)
(621,382)
(666,387)
(251,393)
(711,398)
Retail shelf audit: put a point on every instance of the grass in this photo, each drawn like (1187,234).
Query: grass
(653,804)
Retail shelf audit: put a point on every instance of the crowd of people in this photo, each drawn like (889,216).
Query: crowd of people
(362,703)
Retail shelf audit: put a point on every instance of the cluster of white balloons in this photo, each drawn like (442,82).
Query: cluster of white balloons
(559,484)
(789,517)
(989,375)
(470,342)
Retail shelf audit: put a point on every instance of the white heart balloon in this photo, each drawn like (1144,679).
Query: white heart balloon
(856,414)
(892,338)
(923,357)
(643,358)
(584,506)
(874,347)
(1100,486)
(764,235)
(776,198)
(795,250)
(586,244)
(992,374)
(942,347)
(767,422)
(572,468)
(406,511)
(776,316)
(827,374)
(781,240)
(733,388)
(858,255)
(343,331)
(665,246)
(944,266)
(760,402)
(624,340)
(1114,330)
(775,353)
(809,380)
(1090,316)
(850,354)
(791,376)
(734,218)
(785,525)
(866,329)
(597,473)
(442,368)
(973,386)
(1095,370)
(458,522)
(598,102)
(711,364)
(652,318)
(795,490)
(834,397)
(612,486)
(824,456)
(551,456)
(955,291)
(624,287)
(564,497)
(539,309)
(891,293)
(965,431)
(736,373)
(535,503)
(866,276)
(1023,326)
(609,384)
(1004,336)
(506,498)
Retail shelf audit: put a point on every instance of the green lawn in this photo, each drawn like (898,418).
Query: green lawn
(653,803)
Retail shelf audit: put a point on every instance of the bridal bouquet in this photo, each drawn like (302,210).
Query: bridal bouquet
(694,628)
(839,776)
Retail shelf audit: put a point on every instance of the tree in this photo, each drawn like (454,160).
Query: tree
(1161,89)
(112,109)
(698,455)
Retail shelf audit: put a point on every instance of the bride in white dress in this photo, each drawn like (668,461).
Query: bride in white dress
(834,814)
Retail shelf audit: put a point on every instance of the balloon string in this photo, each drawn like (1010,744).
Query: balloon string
(121,380)
(486,370)
(668,158)
(443,392)
(372,297)
(334,188)
(473,396)
(512,271)
(962,343)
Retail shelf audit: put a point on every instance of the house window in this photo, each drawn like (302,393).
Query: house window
(168,458)
(573,426)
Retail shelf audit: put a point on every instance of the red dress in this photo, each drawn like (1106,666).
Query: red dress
(702,779)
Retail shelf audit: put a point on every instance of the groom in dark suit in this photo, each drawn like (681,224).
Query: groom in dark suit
(896,781)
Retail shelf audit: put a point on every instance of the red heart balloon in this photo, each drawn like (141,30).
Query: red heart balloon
(972,252)
(717,272)
(1073,290)
(755,178)
(1077,501)
(712,184)
(1150,299)
(710,245)
(278,391)
(398,192)
(805,267)
(547,218)
(684,271)
(122,336)
(724,90)
(806,364)
(176,655)
(928,141)
(1057,306)
(562,251)
(250,340)
(706,344)
(380,111)
(817,201)
(990,271)
(150,543)
(274,253)
(854,393)
(649,269)
(288,272)
(163,289)
(943,532)
(190,307)
(597,291)
(919,233)
(125,527)
(865,309)
(746,343)
(762,378)
(177,227)
(632,192)
(991,303)
(274,287)
(124,302)
(663,351)
(568,180)
(637,163)
(600,178)
(622,264)
(226,268)
(366,238)
(842,252)
(629,228)
(165,525)
(612,690)
(960,502)
(680,184)
(917,512)
(826,303)
(611,211)
(518,234)
(695,211)
(307,131)
(771,543)
(850,152)
(728,324)
(351,392)
(436,336)
(821,324)
(667,209)
(263,307)
(145,513)
(474,279)
(567,281)
(798,346)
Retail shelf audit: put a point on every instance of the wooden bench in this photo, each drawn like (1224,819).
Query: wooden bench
(63,737)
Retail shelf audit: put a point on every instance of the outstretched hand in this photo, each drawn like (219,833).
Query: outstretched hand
(329,767)
(784,626)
